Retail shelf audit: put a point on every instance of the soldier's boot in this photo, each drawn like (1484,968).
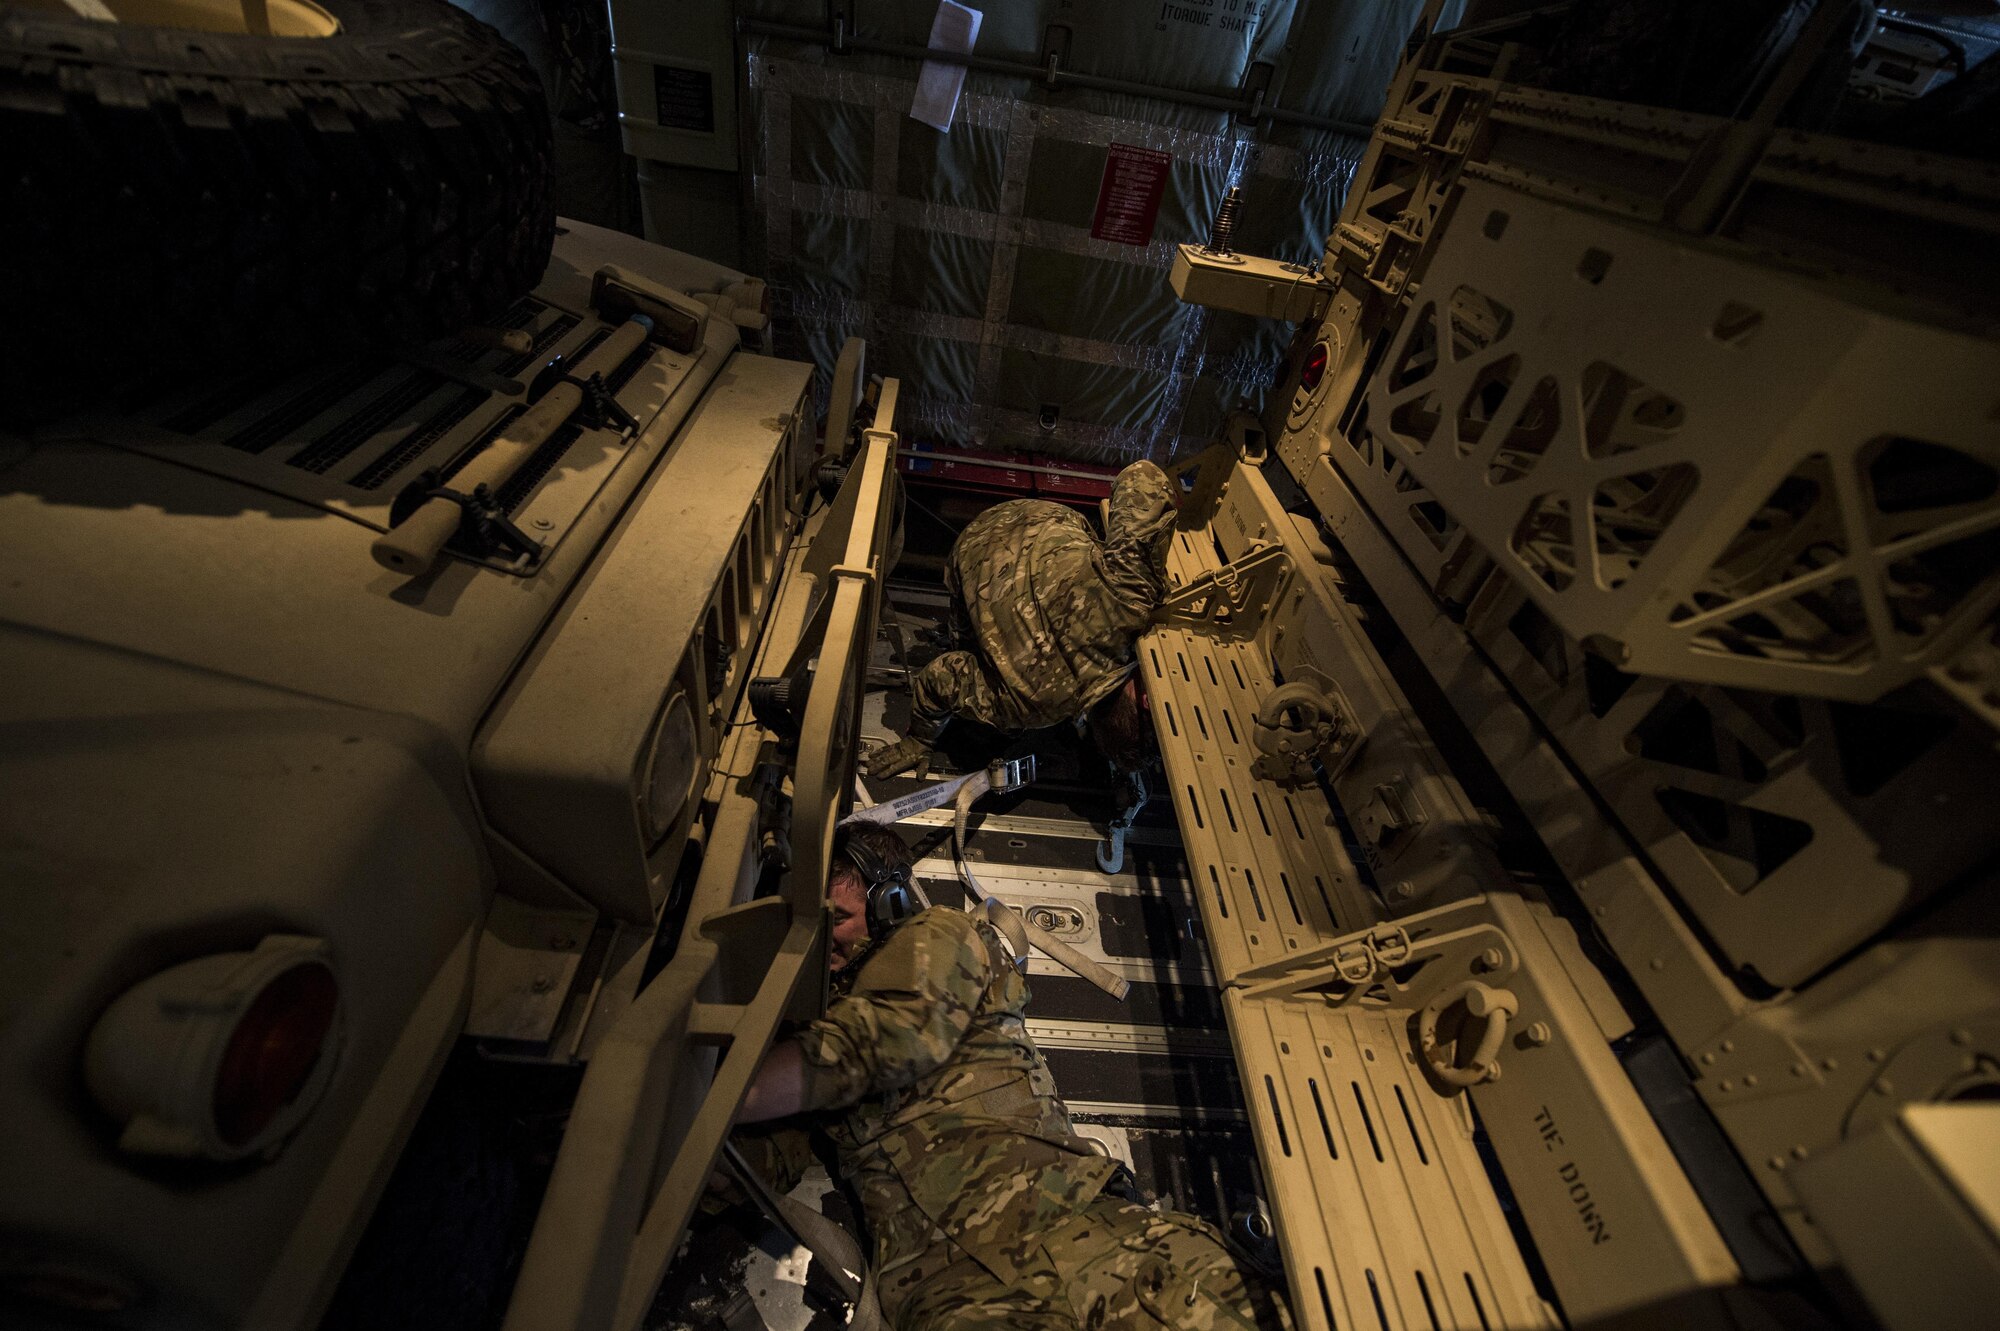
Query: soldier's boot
(911,751)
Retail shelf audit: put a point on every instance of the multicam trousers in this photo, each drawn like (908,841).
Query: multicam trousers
(955,683)
(1115,1266)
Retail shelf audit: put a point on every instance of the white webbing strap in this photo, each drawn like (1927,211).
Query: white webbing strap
(1018,932)
(1021,935)
(1001,777)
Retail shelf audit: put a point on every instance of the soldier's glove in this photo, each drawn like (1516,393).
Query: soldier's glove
(896,759)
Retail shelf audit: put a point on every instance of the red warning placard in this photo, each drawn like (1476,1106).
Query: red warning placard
(1128,199)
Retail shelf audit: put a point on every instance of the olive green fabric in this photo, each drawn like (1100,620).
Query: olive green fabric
(1052,612)
(976,1189)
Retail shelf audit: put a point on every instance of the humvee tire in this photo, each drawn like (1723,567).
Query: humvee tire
(174,196)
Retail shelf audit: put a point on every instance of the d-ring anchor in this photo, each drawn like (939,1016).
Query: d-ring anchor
(1494,1006)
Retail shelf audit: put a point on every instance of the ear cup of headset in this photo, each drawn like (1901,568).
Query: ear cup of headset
(889,904)
(891,900)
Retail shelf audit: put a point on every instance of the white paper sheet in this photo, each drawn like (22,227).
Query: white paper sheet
(955,28)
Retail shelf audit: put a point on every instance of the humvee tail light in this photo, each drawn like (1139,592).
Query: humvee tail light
(671,772)
(219,1058)
(273,1050)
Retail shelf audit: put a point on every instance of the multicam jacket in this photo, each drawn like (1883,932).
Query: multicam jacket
(953,1129)
(1053,611)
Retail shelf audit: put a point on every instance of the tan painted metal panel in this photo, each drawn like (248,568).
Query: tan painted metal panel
(1384,1209)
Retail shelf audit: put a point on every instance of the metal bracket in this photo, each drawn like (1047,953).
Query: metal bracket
(747,939)
(1388,818)
(527,963)
(1362,957)
(1256,89)
(484,529)
(599,408)
(1460,112)
(1297,726)
(1214,277)
(1233,598)
(1056,39)
(1399,966)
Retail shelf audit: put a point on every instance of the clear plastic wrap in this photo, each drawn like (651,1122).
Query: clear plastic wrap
(967,258)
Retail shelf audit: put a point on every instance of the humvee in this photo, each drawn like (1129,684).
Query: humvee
(293,805)
(1574,883)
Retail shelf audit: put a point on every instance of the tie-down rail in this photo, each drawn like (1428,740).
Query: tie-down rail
(1371,1004)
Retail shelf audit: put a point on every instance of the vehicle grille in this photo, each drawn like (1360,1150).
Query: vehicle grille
(302,407)
(418,441)
(359,428)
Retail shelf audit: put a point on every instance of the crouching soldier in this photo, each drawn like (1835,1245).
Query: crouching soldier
(1048,614)
(985,1208)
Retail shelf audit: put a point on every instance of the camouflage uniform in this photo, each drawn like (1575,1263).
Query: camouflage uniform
(1052,612)
(985,1207)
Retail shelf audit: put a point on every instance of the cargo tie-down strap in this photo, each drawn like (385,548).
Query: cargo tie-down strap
(960,792)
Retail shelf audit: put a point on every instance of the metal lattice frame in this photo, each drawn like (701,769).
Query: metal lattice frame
(1529,482)
(1384,1213)
(1690,463)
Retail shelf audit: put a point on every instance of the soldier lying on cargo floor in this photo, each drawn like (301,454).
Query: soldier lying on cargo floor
(1046,614)
(985,1208)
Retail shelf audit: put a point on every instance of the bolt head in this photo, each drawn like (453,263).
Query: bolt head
(1538,1033)
(542,984)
